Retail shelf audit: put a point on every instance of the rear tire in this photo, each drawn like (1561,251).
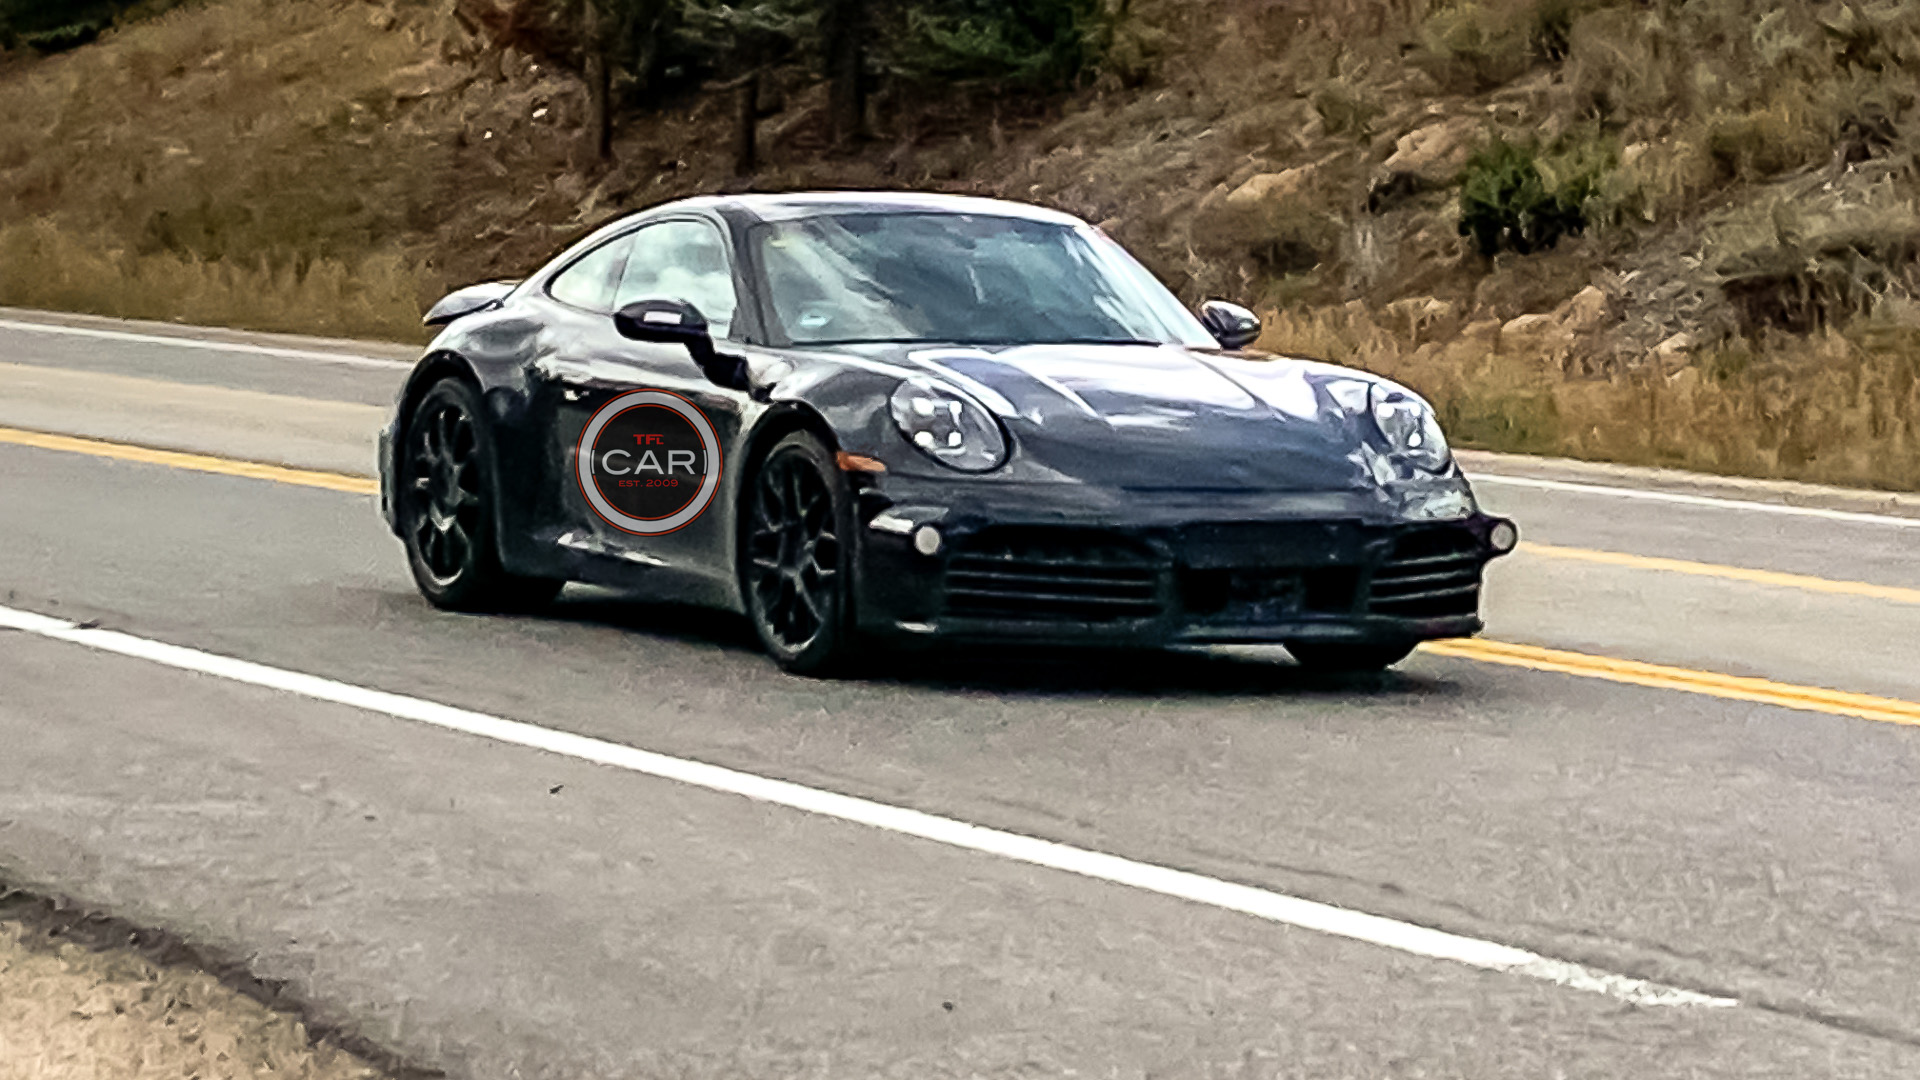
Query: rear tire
(1340,657)
(447,470)
(796,557)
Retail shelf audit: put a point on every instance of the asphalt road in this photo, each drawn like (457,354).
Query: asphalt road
(495,910)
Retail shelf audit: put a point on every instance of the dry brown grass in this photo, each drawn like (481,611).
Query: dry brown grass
(244,162)
(1837,408)
(327,165)
(70,1013)
(375,297)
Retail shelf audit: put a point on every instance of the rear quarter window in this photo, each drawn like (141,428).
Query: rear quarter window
(589,282)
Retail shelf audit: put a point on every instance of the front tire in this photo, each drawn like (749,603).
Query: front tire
(448,470)
(796,556)
(1343,658)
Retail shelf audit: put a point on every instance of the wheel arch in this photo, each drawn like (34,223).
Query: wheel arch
(827,651)
(431,369)
(781,420)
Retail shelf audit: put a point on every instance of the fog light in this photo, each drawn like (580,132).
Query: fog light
(1502,537)
(926,540)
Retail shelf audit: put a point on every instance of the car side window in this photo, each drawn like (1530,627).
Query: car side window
(591,281)
(681,260)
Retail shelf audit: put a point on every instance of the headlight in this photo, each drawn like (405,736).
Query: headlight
(1409,426)
(947,427)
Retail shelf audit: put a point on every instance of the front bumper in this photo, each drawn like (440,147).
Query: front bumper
(1073,565)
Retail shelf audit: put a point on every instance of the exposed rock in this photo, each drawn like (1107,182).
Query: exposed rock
(425,79)
(1417,307)
(1538,334)
(1674,346)
(1483,333)
(1585,312)
(1435,154)
(1271,187)
(1528,326)
(1425,159)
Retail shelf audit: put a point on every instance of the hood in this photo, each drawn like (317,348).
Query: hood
(1163,416)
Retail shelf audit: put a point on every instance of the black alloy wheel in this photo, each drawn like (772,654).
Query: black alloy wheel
(1342,657)
(446,508)
(795,556)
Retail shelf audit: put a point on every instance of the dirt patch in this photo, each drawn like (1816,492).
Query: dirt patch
(87,995)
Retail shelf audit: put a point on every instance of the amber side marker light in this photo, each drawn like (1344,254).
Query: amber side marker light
(859,463)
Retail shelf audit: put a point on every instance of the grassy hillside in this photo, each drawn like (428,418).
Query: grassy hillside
(1659,231)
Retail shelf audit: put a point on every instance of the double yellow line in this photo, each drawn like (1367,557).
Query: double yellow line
(1686,680)
(1532,657)
(174,459)
(1726,573)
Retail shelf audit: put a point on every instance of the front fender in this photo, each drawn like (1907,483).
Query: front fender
(850,400)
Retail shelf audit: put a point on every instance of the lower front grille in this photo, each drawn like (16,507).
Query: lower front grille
(1054,575)
(1431,573)
(1258,595)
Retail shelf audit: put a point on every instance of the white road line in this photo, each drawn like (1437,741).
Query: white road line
(1261,903)
(351,360)
(347,359)
(1712,502)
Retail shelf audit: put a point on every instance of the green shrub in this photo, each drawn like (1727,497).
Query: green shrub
(1034,42)
(55,25)
(1508,203)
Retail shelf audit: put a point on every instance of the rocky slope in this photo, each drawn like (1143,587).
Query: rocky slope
(1675,231)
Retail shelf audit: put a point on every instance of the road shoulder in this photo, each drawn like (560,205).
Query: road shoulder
(93,995)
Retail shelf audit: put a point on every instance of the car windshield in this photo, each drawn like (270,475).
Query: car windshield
(963,279)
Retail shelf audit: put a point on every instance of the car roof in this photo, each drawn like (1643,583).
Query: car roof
(802,204)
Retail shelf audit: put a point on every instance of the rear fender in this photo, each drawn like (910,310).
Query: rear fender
(474,298)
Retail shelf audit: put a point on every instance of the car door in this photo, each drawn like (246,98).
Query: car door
(638,496)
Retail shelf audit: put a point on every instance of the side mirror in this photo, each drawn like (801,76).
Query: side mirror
(676,322)
(1233,326)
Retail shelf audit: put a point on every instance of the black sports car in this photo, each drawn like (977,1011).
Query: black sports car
(866,416)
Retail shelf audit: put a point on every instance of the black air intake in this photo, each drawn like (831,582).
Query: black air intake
(1431,573)
(1053,575)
